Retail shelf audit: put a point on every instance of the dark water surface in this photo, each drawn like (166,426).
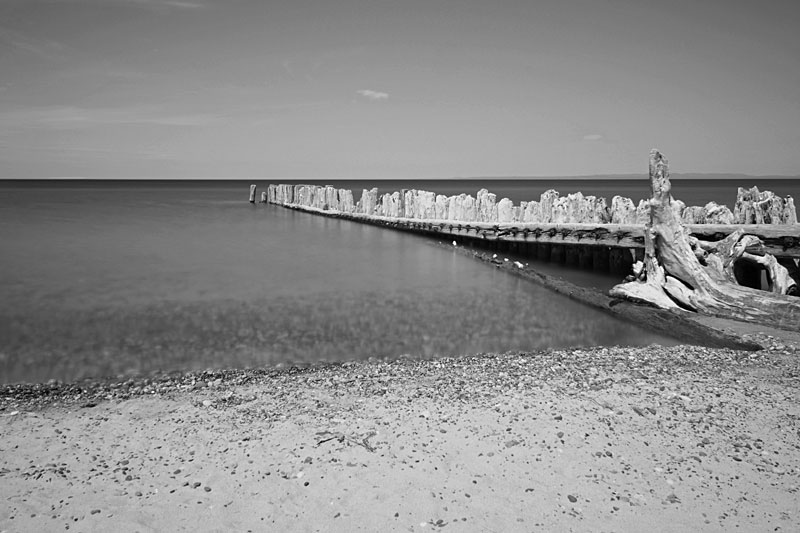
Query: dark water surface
(102,279)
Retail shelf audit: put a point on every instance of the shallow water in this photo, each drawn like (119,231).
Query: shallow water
(106,280)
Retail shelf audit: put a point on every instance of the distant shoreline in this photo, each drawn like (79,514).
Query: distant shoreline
(689,176)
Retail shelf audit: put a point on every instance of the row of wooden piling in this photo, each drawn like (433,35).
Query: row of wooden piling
(596,243)
(752,206)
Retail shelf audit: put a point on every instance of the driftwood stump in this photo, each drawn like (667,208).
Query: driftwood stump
(682,272)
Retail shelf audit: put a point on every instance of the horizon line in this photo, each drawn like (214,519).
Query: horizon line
(621,176)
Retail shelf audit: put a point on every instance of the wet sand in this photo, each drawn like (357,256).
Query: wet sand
(602,439)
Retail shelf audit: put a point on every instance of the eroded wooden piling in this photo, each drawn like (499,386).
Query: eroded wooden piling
(557,254)
(616,260)
(600,258)
(585,257)
(571,255)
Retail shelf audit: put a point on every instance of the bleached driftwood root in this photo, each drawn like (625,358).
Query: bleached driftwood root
(680,271)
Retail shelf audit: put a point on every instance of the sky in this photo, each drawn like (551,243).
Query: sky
(396,89)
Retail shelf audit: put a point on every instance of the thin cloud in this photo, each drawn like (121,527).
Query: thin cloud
(185,5)
(375,96)
(168,3)
(593,137)
(178,4)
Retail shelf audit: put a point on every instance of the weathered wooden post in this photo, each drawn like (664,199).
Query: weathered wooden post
(529,249)
(543,251)
(557,253)
(253,193)
(600,258)
(616,261)
(683,271)
(585,256)
(570,255)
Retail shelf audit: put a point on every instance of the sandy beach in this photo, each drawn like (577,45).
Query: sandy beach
(602,439)
(425,266)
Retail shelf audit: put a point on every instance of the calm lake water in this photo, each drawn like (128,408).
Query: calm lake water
(104,279)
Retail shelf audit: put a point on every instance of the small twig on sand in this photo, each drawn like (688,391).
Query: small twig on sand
(364,442)
(604,405)
(327,435)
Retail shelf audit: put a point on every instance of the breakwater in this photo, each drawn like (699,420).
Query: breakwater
(585,231)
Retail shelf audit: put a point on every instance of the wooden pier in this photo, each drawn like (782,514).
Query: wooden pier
(574,229)
(741,264)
